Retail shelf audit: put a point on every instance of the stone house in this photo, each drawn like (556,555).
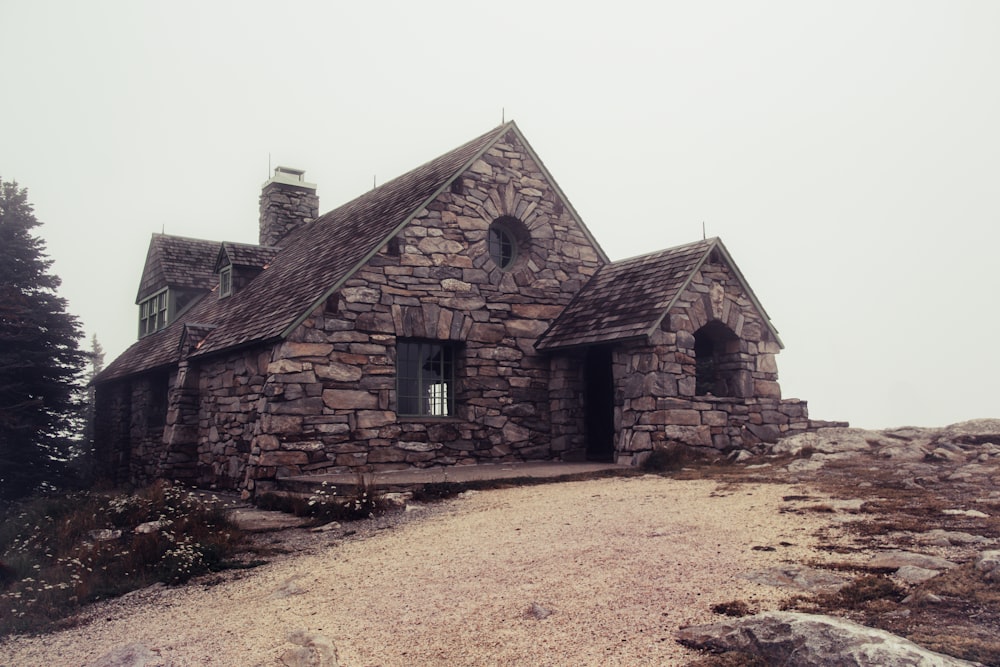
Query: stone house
(461,313)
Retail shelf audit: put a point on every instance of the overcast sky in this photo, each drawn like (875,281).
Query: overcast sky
(847,153)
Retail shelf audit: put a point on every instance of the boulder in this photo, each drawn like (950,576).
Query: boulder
(912,574)
(808,640)
(974,432)
(129,655)
(799,577)
(311,650)
(826,440)
(974,514)
(896,559)
(988,564)
(945,538)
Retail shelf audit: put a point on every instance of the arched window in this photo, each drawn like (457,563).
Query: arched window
(717,360)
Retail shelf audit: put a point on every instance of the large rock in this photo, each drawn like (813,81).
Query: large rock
(311,650)
(896,559)
(799,577)
(973,432)
(129,655)
(807,640)
(988,564)
(827,441)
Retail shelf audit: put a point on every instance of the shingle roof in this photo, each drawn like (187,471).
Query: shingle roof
(163,347)
(629,298)
(177,262)
(313,262)
(315,259)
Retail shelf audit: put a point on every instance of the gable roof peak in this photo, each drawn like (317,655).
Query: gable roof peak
(177,262)
(628,299)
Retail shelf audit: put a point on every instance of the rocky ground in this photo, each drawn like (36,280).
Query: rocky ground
(913,543)
(843,547)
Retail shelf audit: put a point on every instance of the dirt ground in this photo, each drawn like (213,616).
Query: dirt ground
(598,572)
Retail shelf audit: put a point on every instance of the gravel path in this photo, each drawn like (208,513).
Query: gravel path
(578,573)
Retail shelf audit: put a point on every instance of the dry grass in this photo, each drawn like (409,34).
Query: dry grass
(729,659)
(364,501)
(60,552)
(667,458)
(736,608)
(956,613)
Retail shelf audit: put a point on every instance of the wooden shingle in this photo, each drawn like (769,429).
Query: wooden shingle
(628,299)
(177,262)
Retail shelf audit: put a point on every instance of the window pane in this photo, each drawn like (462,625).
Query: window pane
(424,378)
(501,245)
(408,378)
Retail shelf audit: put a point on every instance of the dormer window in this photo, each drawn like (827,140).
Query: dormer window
(153,313)
(225,281)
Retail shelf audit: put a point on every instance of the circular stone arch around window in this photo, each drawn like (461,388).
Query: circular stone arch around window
(507,241)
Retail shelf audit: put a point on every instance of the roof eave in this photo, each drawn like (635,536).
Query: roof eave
(593,343)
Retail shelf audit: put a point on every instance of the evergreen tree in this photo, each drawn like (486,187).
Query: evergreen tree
(40,363)
(84,457)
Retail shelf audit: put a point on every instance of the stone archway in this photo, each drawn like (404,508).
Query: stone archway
(719,368)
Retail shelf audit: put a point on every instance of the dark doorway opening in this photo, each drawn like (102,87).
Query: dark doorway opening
(599,404)
(717,360)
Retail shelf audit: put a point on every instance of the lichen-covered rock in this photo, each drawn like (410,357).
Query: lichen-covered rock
(988,564)
(807,640)
(311,650)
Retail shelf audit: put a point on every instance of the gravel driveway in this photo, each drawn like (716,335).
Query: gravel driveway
(598,572)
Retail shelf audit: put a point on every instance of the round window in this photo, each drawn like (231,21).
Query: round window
(504,241)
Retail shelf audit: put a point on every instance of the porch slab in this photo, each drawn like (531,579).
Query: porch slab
(410,479)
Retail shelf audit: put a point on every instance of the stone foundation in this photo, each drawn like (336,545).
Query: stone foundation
(712,426)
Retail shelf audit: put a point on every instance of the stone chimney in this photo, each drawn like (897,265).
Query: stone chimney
(287,202)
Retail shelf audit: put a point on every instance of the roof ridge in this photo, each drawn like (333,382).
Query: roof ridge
(691,244)
(179,237)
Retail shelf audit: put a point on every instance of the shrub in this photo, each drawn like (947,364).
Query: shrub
(59,552)
(870,587)
(737,608)
(324,505)
(665,458)
(436,491)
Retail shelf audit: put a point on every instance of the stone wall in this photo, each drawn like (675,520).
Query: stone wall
(229,391)
(566,406)
(712,426)
(656,393)
(149,396)
(112,419)
(330,399)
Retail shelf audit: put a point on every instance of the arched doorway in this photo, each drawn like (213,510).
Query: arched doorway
(717,360)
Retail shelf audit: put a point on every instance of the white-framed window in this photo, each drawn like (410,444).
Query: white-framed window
(153,313)
(225,281)
(425,378)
